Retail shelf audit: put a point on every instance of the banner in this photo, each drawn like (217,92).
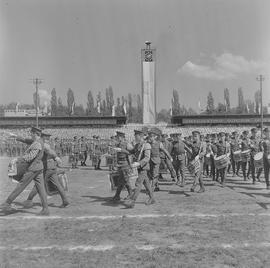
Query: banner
(149,94)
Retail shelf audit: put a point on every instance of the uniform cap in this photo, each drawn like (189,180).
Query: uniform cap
(36,130)
(138,132)
(44,134)
(254,130)
(196,132)
(120,134)
(245,132)
(154,131)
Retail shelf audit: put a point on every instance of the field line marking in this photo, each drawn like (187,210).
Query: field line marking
(130,216)
(149,247)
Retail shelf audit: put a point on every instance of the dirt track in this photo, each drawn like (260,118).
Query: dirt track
(223,227)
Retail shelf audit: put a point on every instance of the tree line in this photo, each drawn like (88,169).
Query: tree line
(132,106)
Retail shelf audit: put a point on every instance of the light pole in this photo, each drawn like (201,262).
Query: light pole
(36,82)
(260,78)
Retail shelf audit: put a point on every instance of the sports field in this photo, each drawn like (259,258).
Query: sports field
(223,227)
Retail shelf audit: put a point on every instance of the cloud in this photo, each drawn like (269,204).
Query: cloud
(225,66)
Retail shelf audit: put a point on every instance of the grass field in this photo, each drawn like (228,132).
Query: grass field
(223,227)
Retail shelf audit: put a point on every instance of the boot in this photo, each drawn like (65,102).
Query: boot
(150,201)
(129,203)
(5,207)
(44,212)
(65,204)
(28,203)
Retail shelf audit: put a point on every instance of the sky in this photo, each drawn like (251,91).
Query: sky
(202,46)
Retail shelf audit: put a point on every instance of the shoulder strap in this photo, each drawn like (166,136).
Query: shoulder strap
(141,151)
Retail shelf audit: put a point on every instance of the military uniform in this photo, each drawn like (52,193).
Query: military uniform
(84,150)
(222,149)
(165,161)
(197,148)
(123,169)
(33,156)
(179,160)
(244,162)
(235,147)
(142,154)
(254,149)
(266,152)
(75,150)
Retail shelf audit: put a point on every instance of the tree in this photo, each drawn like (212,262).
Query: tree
(98,107)
(70,101)
(109,100)
(53,102)
(175,103)
(129,108)
(36,100)
(257,97)
(90,104)
(79,110)
(221,108)
(241,102)
(227,100)
(164,116)
(139,112)
(61,109)
(118,109)
(210,103)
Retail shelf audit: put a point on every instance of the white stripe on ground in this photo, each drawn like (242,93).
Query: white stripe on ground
(138,216)
(84,248)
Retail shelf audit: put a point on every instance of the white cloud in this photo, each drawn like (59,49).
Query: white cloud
(225,66)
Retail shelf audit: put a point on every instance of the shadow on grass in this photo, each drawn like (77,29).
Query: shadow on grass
(105,201)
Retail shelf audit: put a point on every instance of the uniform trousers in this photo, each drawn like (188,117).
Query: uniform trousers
(50,175)
(29,176)
(142,180)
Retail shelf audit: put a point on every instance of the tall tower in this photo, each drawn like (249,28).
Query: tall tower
(148,57)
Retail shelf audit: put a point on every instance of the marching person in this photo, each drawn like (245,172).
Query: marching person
(213,152)
(50,162)
(123,165)
(179,158)
(165,161)
(156,148)
(265,145)
(75,150)
(34,172)
(222,149)
(244,147)
(235,146)
(83,151)
(196,151)
(142,154)
(254,148)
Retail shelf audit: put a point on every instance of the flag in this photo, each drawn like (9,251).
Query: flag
(247,108)
(45,110)
(125,107)
(254,107)
(113,110)
(259,109)
(98,106)
(225,103)
(171,110)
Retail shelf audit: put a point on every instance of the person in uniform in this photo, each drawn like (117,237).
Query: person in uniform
(213,152)
(244,147)
(196,149)
(142,154)
(75,150)
(265,146)
(222,149)
(123,165)
(254,149)
(235,146)
(156,148)
(51,161)
(165,161)
(57,147)
(83,150)
(179,161)
(34,172)
(98,152)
